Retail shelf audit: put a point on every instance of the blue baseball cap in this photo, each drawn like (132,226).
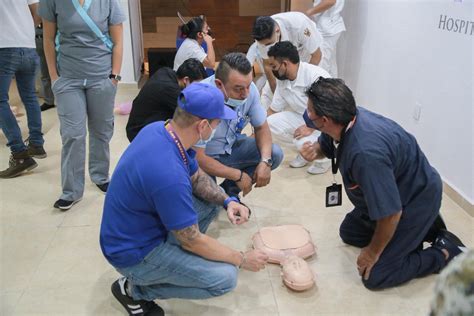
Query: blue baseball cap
(205,101)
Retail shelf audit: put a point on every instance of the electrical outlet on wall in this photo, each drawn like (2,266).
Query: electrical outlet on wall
(417,112)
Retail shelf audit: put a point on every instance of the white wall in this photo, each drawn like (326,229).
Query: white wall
(395,58)
(132,57)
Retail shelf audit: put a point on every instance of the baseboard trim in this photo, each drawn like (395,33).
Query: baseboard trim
(458,199)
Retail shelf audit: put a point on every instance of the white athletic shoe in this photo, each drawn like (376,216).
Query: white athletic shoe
(298,162)
(319,167)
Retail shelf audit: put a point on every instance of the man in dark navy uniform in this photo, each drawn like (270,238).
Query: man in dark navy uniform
(396,193)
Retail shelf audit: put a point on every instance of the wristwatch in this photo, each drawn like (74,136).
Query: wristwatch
(268,161)
(116,77)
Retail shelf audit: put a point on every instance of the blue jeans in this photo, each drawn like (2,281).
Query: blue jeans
(20,63)
(245,156)
(168,271)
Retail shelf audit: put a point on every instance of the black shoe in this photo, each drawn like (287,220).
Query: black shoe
(450,242)
(134,307)
(36,151)
(45,106)
(64,205)
(18,163)
(435,229)
(103,187)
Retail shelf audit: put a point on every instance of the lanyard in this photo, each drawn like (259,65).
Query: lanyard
(175,137)
(336,158)
(83,14)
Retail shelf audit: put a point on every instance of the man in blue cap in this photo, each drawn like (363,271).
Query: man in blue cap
(153,227)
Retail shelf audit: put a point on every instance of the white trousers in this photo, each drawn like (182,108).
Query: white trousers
(328,50)
(283,126)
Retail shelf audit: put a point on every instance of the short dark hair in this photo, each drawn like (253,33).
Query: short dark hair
(263,28)
(284,50)
(193,27)
(191,68)
(332,98)
(232,61)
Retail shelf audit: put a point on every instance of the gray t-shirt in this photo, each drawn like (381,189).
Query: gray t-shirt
(81,53)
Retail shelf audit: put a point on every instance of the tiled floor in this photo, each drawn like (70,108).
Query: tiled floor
(51,263)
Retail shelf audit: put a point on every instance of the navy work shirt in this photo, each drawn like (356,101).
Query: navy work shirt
(385,171)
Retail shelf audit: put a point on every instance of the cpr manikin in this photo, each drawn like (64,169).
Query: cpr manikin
(288,245)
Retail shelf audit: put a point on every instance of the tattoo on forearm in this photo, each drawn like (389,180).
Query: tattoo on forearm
(187,235)
(207,189)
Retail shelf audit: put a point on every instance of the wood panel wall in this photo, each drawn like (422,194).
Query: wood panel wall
(231,21)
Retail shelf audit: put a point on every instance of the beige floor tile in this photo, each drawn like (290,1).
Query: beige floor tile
(94,299)
(73,259)
(22,249)
(9,302)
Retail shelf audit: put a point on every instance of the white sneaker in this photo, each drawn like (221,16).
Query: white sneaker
(298,162)
(319,167)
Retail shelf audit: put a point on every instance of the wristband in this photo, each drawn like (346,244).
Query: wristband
(230,199)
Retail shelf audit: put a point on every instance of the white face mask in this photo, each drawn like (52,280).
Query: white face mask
(203,142)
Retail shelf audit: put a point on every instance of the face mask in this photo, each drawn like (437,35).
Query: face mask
(234,103)
(277,74)
(203,142)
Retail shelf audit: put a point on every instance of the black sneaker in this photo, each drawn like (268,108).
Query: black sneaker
(36,151)
(134,307)
(103,187)
(435,229)
(450,242)
(64,205)
(45,106)
(18,163)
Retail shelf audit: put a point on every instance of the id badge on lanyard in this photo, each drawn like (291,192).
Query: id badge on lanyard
(334,191)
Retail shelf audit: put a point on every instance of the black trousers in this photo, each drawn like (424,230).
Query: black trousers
(404,258)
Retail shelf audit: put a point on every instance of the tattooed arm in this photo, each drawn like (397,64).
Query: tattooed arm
(194,241)
(206,188)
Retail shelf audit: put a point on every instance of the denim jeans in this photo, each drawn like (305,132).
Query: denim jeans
(168,271)
(20,63)
(246,156)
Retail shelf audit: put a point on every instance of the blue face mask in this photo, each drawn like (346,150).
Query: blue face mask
(234,103)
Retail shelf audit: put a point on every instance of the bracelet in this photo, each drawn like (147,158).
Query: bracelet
(241,175)
(243,259)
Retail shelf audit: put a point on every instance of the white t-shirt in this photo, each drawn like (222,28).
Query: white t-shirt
(190,48)
(292,94)
(300,30)
(17,27)
(330,22)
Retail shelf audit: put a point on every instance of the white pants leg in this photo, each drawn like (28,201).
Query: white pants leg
(328,50)
(267,96)
(283,126)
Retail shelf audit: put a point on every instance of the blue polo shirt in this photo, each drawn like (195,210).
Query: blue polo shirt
(228,131)
(385,171)
(150,194)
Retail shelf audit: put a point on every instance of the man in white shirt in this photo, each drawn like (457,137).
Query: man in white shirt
(18,58)
(327,16)
(285,115)
(295,27)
